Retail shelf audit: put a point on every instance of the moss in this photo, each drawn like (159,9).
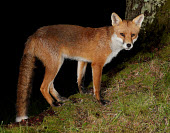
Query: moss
(105,78)
(165,55)
(165,38)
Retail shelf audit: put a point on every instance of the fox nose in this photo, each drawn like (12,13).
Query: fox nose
(128,45)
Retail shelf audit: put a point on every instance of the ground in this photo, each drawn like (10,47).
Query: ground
(139,95)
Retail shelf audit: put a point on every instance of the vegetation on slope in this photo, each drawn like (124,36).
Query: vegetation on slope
(138,95)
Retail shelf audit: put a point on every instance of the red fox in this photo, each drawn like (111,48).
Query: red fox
(52,44)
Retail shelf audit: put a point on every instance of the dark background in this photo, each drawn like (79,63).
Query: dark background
(20,20)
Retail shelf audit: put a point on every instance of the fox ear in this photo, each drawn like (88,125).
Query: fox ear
(115,19)
(138,20)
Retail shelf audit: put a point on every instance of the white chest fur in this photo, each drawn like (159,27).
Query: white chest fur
(116,47)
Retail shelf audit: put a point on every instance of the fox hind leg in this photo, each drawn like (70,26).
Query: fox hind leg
(56,95)
(81,69)
(45,87)
(50,73)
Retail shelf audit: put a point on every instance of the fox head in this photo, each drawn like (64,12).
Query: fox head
(126,32)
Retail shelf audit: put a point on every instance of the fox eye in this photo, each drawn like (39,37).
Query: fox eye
(132,35)
(122,34)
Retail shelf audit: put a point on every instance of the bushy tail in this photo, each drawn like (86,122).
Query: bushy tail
(24,85)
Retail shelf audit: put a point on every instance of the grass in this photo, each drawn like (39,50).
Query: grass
(139,101)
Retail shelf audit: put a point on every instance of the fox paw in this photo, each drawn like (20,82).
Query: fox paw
(104,102)
(83,90)
(63,99)
(56,104)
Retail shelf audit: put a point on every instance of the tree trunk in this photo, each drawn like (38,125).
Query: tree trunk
(147,7)
(155,28)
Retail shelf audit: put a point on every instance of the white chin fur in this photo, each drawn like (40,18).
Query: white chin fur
(19,119)
(128,48)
